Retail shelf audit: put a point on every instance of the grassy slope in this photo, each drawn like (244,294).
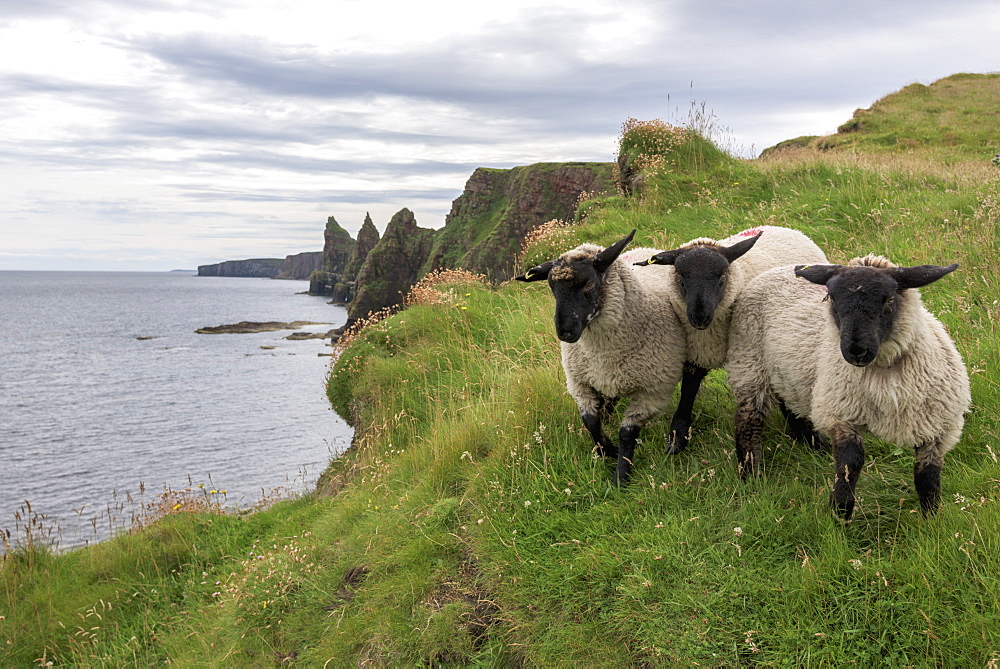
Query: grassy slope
(957,116)
(471,525)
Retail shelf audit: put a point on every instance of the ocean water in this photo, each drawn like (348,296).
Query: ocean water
(92,413)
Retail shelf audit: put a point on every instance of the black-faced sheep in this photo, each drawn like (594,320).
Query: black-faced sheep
(618,339)
(705,278)
(848,348)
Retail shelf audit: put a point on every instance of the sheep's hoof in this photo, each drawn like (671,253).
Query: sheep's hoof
(677,440)
(843,509)
(929,507)
(622,475)
(751,468)
(675,444)
(609,451)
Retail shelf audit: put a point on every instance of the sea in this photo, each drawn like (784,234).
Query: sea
(110,402)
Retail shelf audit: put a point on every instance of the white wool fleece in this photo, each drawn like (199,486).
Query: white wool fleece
(634,347)
(784,343)
(776,246)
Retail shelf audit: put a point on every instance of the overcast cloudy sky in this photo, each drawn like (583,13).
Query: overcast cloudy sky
(163,134)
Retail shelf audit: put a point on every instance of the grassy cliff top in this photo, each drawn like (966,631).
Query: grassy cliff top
(470,525)
(955,116)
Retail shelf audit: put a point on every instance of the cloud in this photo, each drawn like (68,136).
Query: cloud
(259,117)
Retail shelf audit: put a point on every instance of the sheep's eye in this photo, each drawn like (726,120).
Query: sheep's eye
(890,299)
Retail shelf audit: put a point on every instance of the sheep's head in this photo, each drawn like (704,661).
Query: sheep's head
(865,298)
(702,274)
(576,278)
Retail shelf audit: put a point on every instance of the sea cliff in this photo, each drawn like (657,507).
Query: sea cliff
(265,268)
(483,233)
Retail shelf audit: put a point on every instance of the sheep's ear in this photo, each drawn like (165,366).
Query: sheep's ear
(537,273)
(818,273)
(921,275)
(604,259)
(733,252)
(662,258)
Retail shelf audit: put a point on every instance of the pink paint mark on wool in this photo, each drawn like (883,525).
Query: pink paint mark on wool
(752,232)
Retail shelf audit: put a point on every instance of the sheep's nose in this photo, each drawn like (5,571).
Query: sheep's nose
(568,336)
(701,321)
(858,355)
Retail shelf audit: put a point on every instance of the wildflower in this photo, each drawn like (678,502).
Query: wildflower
(738,531)
(527,503)
(855,563)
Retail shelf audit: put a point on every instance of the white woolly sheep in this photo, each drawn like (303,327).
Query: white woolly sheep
(705,278)
(873,358)
(617,338)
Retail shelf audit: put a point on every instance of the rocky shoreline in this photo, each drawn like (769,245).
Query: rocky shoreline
(251,327)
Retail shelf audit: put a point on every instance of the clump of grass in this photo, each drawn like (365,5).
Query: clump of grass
(644,149)
(429,289)
(550,238)
(354,330)
(34,535)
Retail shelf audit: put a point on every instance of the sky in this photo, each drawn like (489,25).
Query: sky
(155,135)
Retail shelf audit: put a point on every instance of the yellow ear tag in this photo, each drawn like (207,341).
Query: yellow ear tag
(804,267)
(652,260)
(527,275)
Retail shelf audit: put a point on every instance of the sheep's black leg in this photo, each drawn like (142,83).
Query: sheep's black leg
(848,458)
(680,425)
(749,447)
(605,448)
(927,480)
(802,430)
(627,437)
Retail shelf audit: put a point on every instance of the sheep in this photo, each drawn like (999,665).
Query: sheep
(617,339)
(872,359)
(705,278)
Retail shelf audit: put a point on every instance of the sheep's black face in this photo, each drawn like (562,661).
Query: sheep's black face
(863,302)
(702,274)
(577,289)
(865,298)
(576,278)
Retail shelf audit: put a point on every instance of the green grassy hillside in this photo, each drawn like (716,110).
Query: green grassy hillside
(958,116)
(471,525)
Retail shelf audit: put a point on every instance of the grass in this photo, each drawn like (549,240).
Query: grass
(952,117)
(470,525)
